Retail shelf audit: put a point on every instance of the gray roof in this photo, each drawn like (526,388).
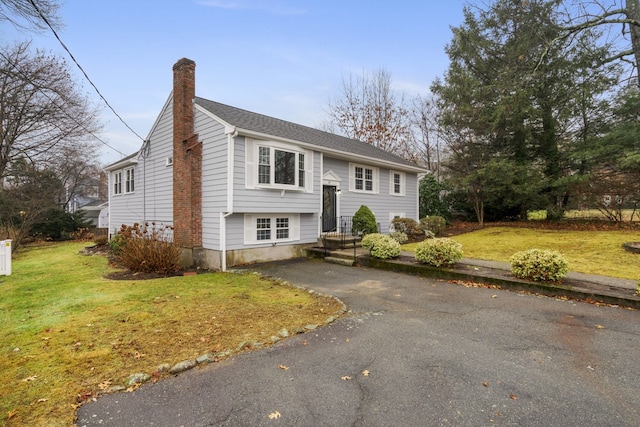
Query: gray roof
(255,122)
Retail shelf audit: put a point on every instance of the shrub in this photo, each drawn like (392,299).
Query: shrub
(439,252)
(428,234)
(539,265)
(399,237)
(409,226)
(435,224)
(101,240)
(381,246)
(364,222)
(147,249)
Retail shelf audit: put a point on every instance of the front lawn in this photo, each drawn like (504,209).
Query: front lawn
(68,333)
(591,252)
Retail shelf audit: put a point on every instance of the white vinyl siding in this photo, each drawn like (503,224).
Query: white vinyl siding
(363,179)
(271,228)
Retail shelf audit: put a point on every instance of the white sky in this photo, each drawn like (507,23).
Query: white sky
(282,58)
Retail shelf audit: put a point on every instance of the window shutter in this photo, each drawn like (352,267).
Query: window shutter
(250,169)
(352,177)
(376,180)
(249,229)
(294,227)
(308,172)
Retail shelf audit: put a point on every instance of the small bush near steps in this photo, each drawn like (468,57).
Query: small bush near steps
(381,246)
(440,252)
(539,265)
(364,222)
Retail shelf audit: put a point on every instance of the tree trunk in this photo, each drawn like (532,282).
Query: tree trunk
(633,14)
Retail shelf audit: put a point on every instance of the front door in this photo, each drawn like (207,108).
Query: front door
(329,211)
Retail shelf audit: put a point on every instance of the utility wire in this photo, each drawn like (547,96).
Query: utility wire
(24,76)
(82,69)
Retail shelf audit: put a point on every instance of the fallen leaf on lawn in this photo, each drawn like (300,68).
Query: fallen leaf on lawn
(599,327)
(42,400)
(513,397)
(283,367)
(345,378)
(104,385)
(46,338)
(31,378)
(365,373)
(138,355)
(486,384)
(275,415)
(11,414)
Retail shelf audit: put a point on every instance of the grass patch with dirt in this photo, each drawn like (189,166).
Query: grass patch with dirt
(586,251)
(68,333)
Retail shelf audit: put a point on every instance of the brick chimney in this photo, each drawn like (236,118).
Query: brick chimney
(187,159)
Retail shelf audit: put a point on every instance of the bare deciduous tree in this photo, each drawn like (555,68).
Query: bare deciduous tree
(29,14)
(41,110)
(368,110)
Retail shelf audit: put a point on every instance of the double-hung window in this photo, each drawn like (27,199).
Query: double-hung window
(271,228)
(363,178)
(117,182)
(276,165)
(397,183)
(129,183)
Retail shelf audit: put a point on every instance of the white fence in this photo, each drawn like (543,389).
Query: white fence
(5,257)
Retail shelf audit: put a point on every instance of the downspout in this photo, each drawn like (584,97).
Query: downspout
(231,135)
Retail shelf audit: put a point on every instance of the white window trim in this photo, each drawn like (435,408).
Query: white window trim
(250,229)
(125,182)
(403,183)
(252,148)
(352,179)
(116,189)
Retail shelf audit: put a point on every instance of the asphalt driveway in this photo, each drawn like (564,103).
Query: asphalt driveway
(411,352)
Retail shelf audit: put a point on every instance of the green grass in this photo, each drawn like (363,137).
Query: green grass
(67,332)
(591,252)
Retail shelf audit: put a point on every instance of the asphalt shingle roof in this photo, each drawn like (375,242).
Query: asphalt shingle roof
(255,122)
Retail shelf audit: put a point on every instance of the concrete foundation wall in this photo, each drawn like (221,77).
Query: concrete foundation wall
(211,259)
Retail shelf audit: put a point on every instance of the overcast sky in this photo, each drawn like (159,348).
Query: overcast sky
(282,58)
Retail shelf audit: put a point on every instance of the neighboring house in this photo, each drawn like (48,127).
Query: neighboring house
(242,187)
(96,213)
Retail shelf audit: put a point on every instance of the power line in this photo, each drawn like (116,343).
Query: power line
(82,69)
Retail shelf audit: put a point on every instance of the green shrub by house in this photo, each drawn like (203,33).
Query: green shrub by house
(539,265)
(440,252)
(381,246)
(436,224)
(409,226)
(364,221)
(399,237)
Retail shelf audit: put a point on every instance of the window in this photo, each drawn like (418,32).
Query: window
(117,182)
(396,183)
(129,183)
(363,178)
(277,165)
(263,229)
(271,228)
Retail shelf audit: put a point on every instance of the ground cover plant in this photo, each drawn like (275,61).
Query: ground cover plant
(587,247)
(67,332)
